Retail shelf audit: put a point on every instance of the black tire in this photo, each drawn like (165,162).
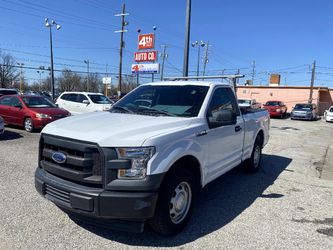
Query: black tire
(28,125)
(252,165)
(178,188)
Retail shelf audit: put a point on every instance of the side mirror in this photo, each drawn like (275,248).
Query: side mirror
(222,118)
(86,102)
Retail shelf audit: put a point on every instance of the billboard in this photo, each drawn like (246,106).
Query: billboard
(152,68)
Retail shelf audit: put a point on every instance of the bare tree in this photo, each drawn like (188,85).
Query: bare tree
(8,71)
(69,81)
(94,83)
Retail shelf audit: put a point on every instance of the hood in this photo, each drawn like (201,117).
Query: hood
(50,111)
(115,129)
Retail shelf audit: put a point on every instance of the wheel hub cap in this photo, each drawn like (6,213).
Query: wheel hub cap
(180,202)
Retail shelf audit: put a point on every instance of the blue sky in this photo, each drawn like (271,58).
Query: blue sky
(281,36)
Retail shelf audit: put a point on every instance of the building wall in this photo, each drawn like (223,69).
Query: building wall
(289,95)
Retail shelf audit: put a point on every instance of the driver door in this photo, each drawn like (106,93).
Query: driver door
(225,141)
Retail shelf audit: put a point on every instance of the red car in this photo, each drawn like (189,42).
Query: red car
(276,108)
(31,112)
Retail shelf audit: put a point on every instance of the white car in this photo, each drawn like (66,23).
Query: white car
(83,102)
(329,114)
(248,103)
(2,125)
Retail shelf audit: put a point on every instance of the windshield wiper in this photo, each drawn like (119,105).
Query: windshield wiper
(155,111)
(127,110)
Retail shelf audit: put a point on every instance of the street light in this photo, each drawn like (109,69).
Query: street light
(58,27)
(87,62)
(199,45)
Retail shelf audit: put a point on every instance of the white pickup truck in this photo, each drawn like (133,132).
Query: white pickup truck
(145,159)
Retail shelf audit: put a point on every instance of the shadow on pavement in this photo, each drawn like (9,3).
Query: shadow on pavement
(10,135)
(219,203)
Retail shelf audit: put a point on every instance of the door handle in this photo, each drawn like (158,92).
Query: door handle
(238,128)
(204,132)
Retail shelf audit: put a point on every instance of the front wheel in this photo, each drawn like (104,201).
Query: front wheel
(175,204)
(28,125)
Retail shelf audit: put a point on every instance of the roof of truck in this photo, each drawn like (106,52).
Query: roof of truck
(183,83)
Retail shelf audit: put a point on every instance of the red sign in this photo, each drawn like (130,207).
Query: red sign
(146,41)
(146,56)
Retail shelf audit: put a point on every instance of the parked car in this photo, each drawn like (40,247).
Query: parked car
(144,162)
(248,103)
(2,125)
(329,114)
(304,111)
(83,102)
(8,92)
(31,112)
(276,108)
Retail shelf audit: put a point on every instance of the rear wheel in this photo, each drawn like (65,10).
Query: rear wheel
(175,204)
(28,124)
(252,165)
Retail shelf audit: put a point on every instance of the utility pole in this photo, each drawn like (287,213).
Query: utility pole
(154,29)
(253,70)
(312,81)
(235,81)
(40,72)
(164,56)
(223,70)
(106,75)
(187,37)
(123,24)
(21,76)
(205,59)
(87,62)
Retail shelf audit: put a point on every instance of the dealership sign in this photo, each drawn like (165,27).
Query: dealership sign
(146,41)
(145,56)
(152,68)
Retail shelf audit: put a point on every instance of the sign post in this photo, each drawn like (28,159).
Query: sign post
(107,81)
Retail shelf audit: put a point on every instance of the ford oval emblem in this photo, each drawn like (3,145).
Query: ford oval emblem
(59,157)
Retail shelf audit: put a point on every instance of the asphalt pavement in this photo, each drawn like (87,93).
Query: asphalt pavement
(287,205)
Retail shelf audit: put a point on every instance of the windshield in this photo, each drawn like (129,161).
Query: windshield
(183,101)
(37,102)
(303,106)
(99,99)
(331,110)
(242,101)
(272,103)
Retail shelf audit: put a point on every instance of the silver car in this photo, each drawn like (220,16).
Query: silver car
(304,111)
(2,125)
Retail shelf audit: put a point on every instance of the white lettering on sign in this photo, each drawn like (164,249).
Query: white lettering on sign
(146,41)
(146,56)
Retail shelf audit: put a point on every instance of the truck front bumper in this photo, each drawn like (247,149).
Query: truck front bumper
(96,202)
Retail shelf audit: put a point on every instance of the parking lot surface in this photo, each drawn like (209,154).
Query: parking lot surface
(287,205)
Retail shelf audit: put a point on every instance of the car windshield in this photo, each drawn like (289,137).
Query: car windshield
(37,102)
(272,103)
(331,110)
(242,101)
(183,101)
(99,99)
(303,106)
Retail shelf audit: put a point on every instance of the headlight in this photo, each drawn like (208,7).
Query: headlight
(139,158)
(40,115)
